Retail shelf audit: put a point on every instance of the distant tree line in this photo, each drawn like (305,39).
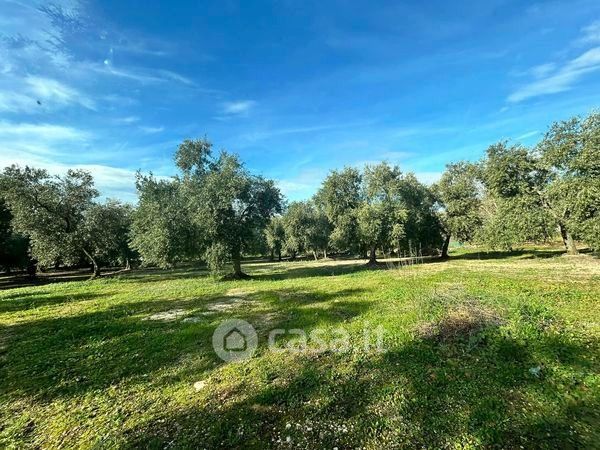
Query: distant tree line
(214,210)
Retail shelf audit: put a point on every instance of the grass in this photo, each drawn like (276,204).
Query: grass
(479,351)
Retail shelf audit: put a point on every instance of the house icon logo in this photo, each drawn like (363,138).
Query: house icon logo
(234,340)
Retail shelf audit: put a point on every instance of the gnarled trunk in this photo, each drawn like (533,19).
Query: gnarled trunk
(237,263)
(372,255)
(568,240)
(95,267)
(236,260)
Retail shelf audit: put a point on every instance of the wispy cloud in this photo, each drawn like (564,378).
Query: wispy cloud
(37,94)
(527,135)
(542,70)
(590,34)
(560,80)
(40,132)
(237,108)
(46,89)
(274,132)
(151,130)
(127,120)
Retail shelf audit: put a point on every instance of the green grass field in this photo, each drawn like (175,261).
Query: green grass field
(498,351)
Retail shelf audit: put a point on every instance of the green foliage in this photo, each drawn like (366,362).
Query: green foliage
(193,156)
(217,208)
(162,231)
(275,235)
(216,256)
(106,229)
(569,154)
(422,231)
(515,210)
(306,229)
(233,206)
(382,213)
(50,211)
(339,197)
(13,246)
(460,200)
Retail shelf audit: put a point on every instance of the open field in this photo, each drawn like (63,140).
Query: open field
(478,351)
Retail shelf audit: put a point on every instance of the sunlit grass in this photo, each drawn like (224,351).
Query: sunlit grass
(82,364)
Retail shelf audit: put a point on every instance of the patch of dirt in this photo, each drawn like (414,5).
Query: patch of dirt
(228,303)
(238,292)
(168,316)
(461,322)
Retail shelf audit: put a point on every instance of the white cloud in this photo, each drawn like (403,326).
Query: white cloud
(45,146)
(128,120)
(53,91)
(151,130)
(241,107)
(16,102)
(39,133)
(542,70)
(25,143)
(591,33)
(303,185)
(111,182)
(527,135)
(560,80)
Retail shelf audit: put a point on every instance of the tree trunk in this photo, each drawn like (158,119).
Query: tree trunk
(272,255)
(445,246)
(372,256)
(237,264)
(568,240)
(315,255)
(279,255)
(95,268)
(127,264)
(31,269)
(325,253)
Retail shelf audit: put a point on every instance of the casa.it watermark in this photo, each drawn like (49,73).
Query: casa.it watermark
(236,339)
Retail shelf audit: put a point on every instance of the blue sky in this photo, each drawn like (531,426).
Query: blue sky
(295,87)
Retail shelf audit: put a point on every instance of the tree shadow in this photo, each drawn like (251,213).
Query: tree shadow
(287,273)
(67,356)
(418,394)
(23,301)
(520,254)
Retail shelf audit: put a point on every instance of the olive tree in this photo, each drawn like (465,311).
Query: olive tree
(459,198)
(106,229)
(515,210)
(232,205)
(569,158)
(339,198)
(275,236)
(162,231)
(50,211)
(382,213)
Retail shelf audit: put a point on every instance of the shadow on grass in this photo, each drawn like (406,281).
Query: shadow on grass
(67,356)
(418,394)
(31,300)
(522,254)
(21,280)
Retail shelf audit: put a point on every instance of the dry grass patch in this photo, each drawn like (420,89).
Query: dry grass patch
(461,322)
